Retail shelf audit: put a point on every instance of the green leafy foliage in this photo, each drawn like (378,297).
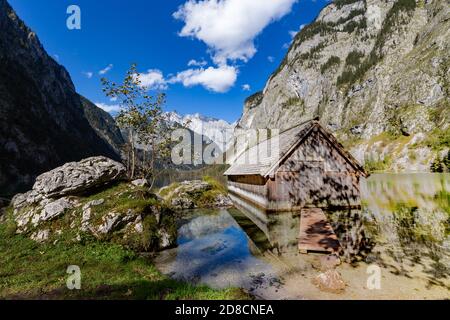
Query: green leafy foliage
(355,25)
(440,165)
(146,123)
(372,166)
(331,62)
(438,139)
(255,98)
(354,58)
(341,3)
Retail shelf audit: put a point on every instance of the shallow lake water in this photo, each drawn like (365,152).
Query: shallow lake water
(402,228)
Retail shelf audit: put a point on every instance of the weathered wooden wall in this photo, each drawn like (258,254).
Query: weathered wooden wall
(316,174)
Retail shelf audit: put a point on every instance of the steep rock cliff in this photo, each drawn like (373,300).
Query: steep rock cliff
(377,74)
(104,124)
(42,121)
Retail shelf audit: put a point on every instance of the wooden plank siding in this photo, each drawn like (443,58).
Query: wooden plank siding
(315,173)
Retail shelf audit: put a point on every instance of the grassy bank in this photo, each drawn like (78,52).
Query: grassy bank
(110,265)
(108,271)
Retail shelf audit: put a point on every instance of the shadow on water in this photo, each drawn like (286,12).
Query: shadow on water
(409,217)
(402,226)
(279,232)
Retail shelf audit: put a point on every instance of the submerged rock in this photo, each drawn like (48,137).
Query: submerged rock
(330,281)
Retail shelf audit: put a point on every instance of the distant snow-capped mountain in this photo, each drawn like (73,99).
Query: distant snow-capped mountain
(218,131)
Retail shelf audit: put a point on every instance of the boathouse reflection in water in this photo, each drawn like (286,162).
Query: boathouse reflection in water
(278,232)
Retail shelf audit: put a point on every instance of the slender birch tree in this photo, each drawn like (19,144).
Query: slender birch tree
(144,121)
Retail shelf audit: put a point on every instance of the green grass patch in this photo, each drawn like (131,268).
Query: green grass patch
(169,189)
(108,271)
(381,165)
(216,184)
(437,140)
(292,102)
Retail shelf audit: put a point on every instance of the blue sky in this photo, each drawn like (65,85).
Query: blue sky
(241,43)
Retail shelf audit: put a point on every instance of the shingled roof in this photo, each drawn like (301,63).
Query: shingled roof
(257,161)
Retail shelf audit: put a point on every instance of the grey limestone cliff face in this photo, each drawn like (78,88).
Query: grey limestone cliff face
(42,120)
(104,124)
(377,74)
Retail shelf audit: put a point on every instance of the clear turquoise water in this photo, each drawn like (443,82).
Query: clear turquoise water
(403,226)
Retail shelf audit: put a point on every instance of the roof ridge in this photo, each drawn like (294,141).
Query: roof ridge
(298,125)
(281,132)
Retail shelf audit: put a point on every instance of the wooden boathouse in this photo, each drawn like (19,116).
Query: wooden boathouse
(306,167)
(302,169)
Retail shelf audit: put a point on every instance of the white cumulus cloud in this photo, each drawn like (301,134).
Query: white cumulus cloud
(229,27)
(109,107)
(106,70)
(195,63)
(153,79)
(88,74)
(246,87)
(219,79)
(293,33)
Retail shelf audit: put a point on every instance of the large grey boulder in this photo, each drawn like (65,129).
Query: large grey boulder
(27,218)
(73,178)
(77,177)
(67,204)
(182,196)
(50,197)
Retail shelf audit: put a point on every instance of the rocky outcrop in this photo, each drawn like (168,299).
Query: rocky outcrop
(73,178)
(90,198)
(42,120)
(50,196)
(194,194)
(377,74)
(78,177)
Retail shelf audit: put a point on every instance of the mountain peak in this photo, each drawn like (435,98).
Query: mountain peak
(216,130)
